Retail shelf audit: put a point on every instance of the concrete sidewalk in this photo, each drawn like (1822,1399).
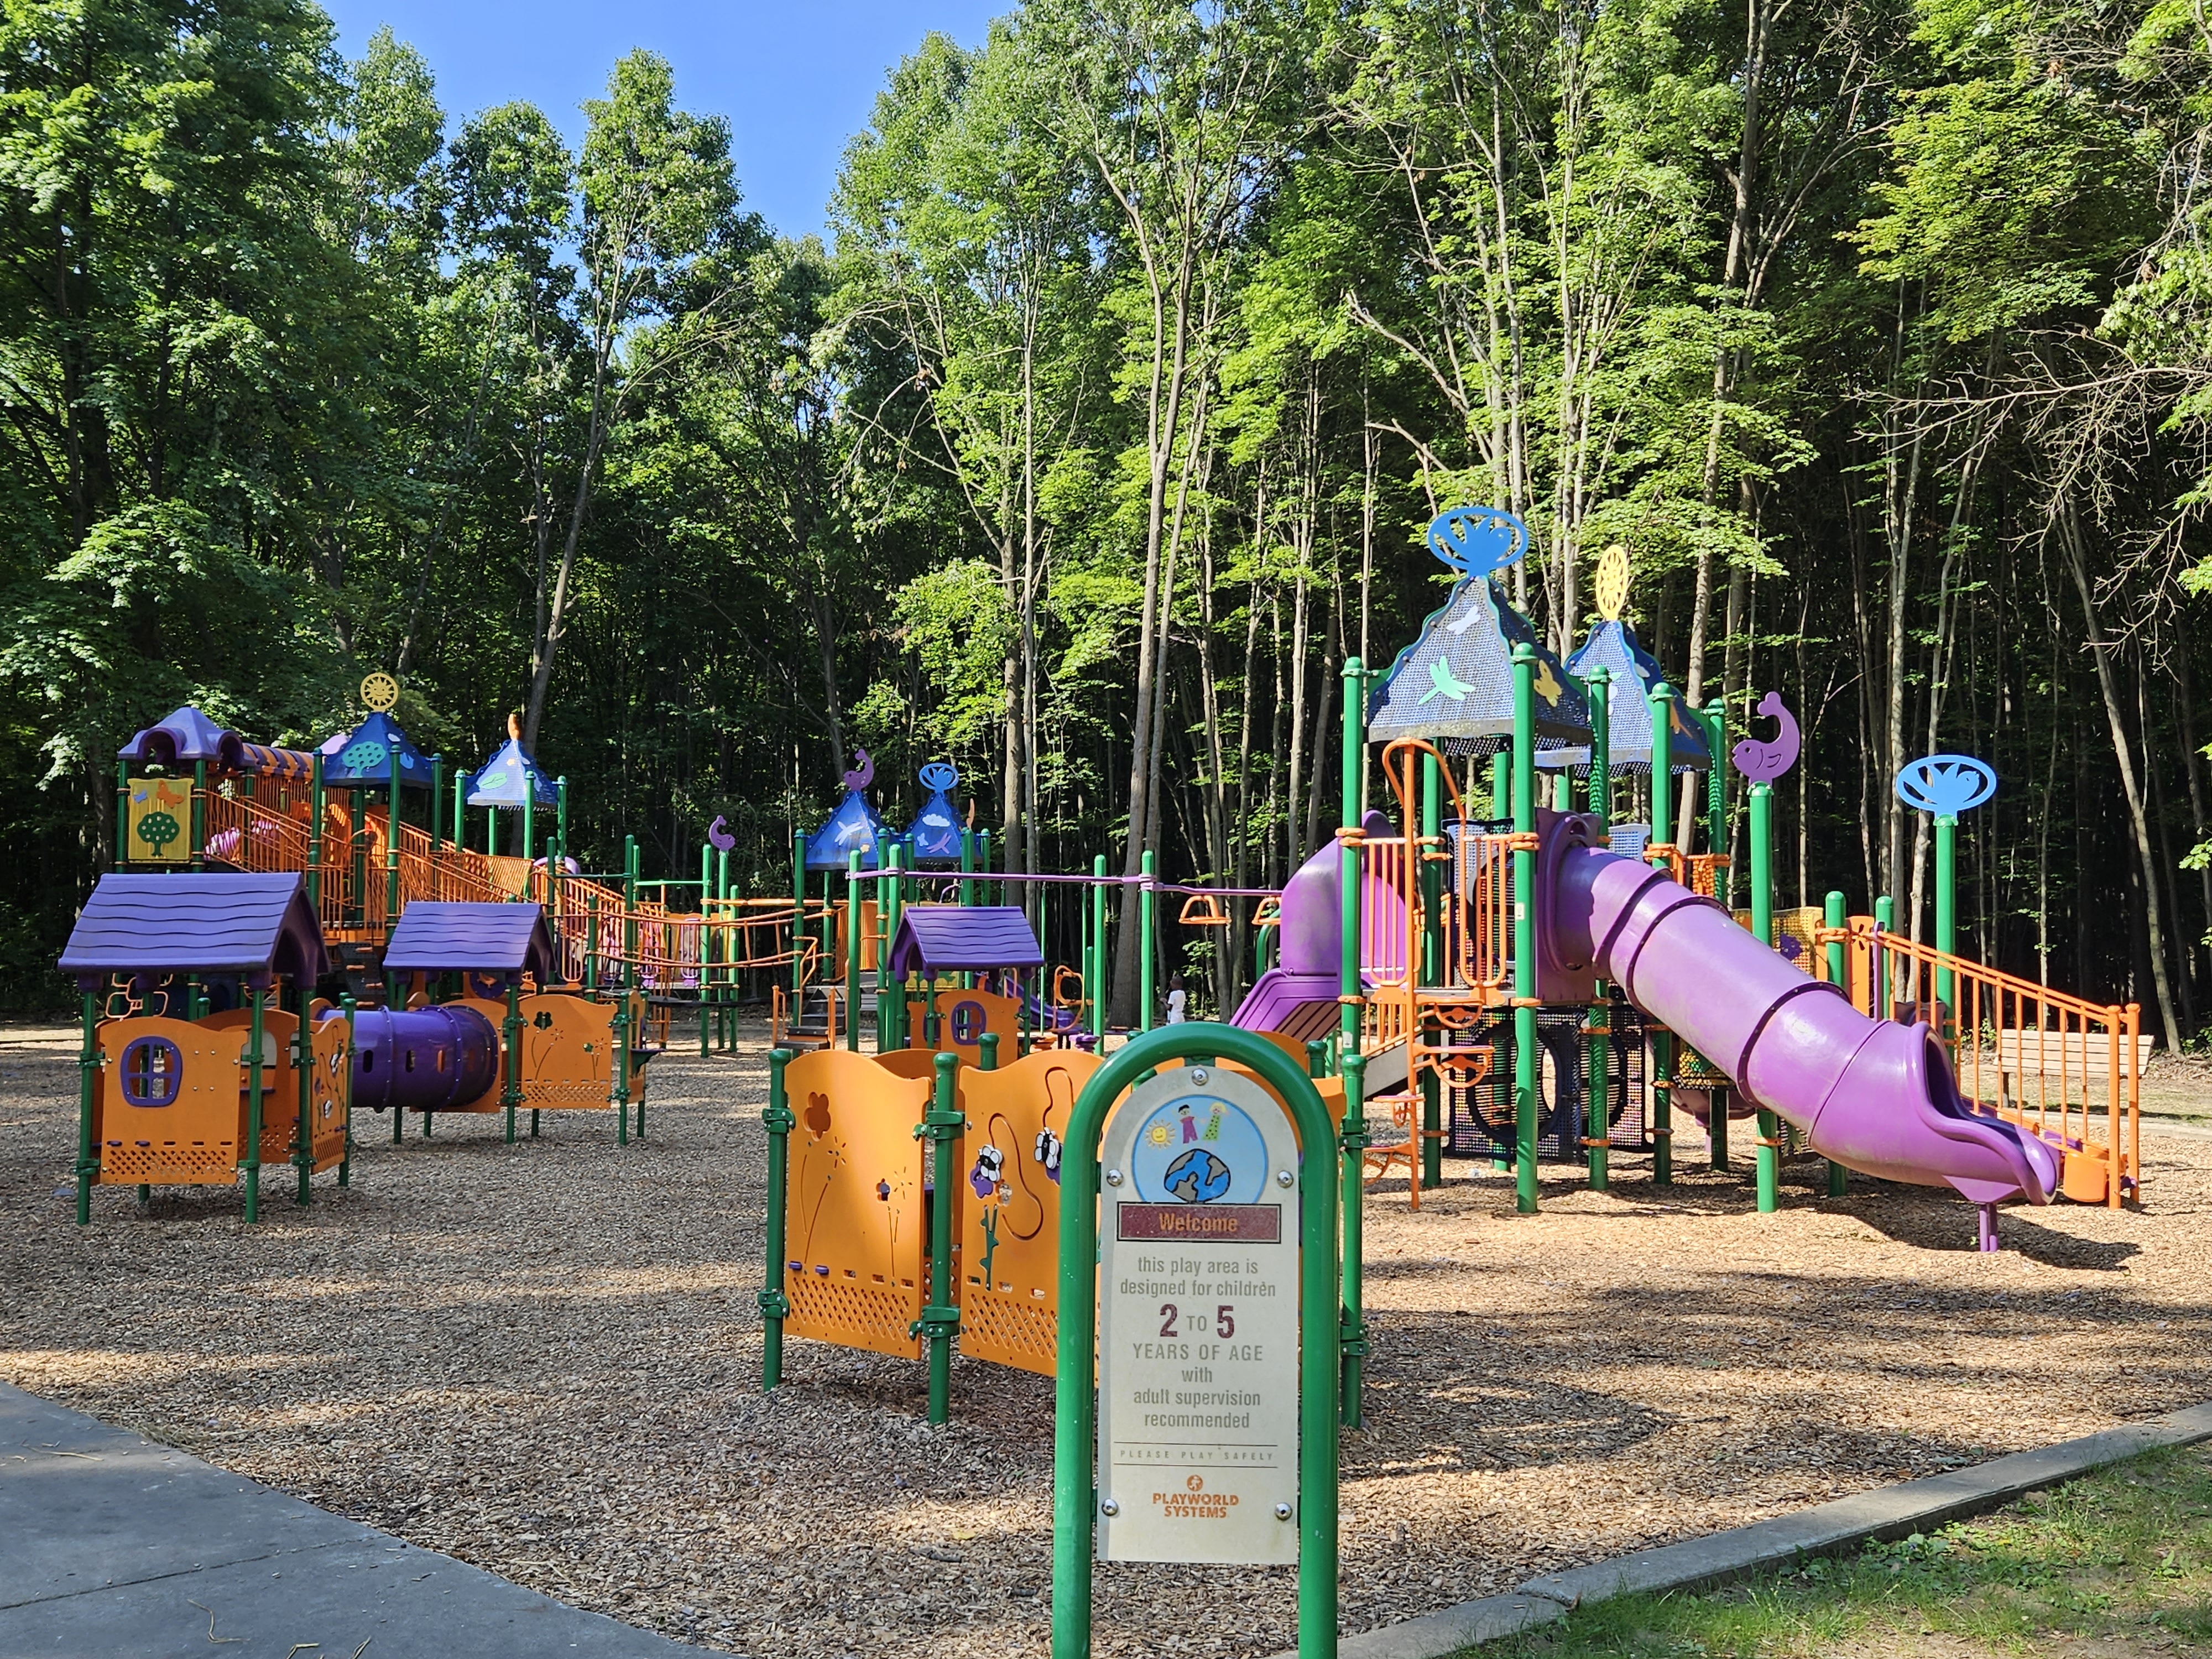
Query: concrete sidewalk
(114,1547)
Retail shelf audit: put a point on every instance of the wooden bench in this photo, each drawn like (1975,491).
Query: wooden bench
(2034,1065)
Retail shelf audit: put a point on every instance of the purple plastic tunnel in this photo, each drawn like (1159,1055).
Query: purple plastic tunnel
(1873,1095)
(422,1060)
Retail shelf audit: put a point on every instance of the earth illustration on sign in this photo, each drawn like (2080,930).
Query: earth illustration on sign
(1198,1177)
(1198,1149)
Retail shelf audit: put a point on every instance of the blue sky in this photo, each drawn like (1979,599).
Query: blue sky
(795,79)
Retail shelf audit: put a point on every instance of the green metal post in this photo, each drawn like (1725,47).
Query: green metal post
(556,856)
(345,1163)
(1600,1023)
(890,997)
(775,1306)
(1431,967)
(727,992)
(624,1033)
(199,817)
(460,809)
(988,1046)
(303,1066)
(853,951)
(1352,1339)
(1833,915)
(592,947)
(1501,786)
(437,801)
(1524,930)
(254,1106)
(1884,995)
(1716,832)
(1762,927)
(1075,1416)
(315,840)
(797,917)
(510,1058)
(1663,1041)
(706,943)
(1147,928)
(1098,950)
(1947,911)
(87,1087)
(530,832)
(391,847)
(123,811)
(940,1319)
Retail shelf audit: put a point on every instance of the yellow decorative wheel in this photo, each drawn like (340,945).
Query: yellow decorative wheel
(379,692)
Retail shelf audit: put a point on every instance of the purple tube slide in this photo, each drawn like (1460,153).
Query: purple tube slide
(421,1059)
(1873,1095)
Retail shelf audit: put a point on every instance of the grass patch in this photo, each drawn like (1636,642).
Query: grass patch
(2122,1558)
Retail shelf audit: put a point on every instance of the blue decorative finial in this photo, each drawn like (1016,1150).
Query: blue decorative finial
(1478,541)
(939,775)
(1946,785)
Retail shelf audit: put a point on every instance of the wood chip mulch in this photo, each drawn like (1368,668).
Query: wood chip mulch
(545,1359)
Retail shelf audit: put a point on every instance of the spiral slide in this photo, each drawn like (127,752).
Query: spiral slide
(1873,1095)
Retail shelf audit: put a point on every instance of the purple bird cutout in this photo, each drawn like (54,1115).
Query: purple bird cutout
(863,774)
(718,836)
(1763,762)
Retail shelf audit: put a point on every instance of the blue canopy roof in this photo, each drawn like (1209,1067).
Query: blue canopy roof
(362,758)
(439,938)
(954,938)
(1454,684)
(186,736)
(935,834)
(854,825)
(251,924)
(501,780)
(1613,646)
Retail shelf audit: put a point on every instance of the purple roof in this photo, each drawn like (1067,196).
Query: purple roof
(185,735)
(205,923)
(951,938)
(486,939)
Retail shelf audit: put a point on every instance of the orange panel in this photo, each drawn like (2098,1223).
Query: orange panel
(963,1018)
(195,1139)
(1009,1283)
(280,1084)
(568,1053)
(855,1219)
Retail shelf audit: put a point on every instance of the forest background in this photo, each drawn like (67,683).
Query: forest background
(1103,431)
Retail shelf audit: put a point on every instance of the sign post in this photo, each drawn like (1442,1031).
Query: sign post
(1216,1248)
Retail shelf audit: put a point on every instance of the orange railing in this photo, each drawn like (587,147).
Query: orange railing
(2063,1067)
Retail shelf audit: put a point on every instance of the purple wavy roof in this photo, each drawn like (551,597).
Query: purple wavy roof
(485,938)
(185,735)
(197,923)
(950,939)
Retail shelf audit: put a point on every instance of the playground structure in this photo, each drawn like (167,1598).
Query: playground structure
(1458,939)
(177,1091)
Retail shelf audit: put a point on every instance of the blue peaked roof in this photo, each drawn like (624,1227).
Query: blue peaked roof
(199,923)
(439,938)
(1455,683)
(953,939)
(854,825)
(502,780)
(1613,646)
(935,834)
(362,758)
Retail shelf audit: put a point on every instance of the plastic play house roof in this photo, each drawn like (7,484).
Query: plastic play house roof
(1454,684)
(952,938)
(255,924)
(441,938)
(185,737)
(1613,646)
(854,825)
(362,758)
(503,779)
(935,834)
